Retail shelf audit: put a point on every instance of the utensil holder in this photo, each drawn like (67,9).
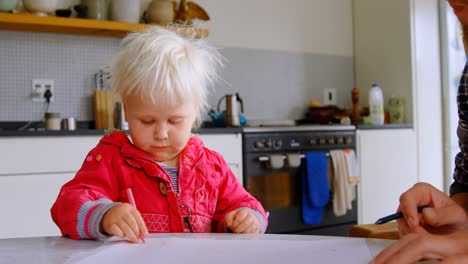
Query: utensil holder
(103,109)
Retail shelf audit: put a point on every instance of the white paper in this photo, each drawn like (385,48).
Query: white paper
(206,251)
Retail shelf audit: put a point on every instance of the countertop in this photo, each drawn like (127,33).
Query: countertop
(65,250)
(386,126)
(84,128)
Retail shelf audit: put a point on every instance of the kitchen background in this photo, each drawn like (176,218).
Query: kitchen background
(278,53)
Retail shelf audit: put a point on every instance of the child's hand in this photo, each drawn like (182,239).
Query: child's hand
(242,221)
(124,220)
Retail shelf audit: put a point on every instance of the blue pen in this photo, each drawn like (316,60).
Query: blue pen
(395,216)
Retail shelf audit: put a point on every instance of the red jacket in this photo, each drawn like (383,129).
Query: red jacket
(208,190)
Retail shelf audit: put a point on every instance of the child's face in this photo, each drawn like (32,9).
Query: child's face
(162,131)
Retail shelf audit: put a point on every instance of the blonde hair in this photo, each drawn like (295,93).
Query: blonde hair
(162,66)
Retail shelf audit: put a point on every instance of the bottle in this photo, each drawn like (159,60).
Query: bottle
(376,109)
(355,114)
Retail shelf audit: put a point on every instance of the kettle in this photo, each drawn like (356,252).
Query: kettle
(230,117)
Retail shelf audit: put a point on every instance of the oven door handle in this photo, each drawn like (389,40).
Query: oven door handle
(267,158)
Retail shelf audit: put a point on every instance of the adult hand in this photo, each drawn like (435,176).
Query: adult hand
(451,248)
(124,221)
(443,217)
(242,221)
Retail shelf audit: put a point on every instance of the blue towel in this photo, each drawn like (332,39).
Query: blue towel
(315,189)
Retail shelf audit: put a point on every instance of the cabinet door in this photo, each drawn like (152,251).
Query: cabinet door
(228,145)
(388,163)
(26,201)
(28,155)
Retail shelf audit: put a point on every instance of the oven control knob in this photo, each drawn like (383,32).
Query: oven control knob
(322,141)
(331,141)
(278,143)
(269,143)
(294,143)
(313,141)
(339,140)
(349,140)
(259,144)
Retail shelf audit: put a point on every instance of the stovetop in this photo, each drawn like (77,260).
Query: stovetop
(259,129)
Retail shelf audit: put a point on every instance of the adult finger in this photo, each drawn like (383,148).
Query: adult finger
(452,215)
(419,194)
(427,247)
(457,259)
(403,228)
(393,249)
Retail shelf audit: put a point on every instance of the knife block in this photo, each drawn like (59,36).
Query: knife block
(103,103)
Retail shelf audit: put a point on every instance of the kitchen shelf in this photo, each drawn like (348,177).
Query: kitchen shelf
(79,26)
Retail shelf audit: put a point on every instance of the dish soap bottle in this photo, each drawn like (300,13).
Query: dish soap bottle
(376,109)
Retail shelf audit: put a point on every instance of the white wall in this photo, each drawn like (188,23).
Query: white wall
(397,45)
(382,39)
(315,26)
(427,90)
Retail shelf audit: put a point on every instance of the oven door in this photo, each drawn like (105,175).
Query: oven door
(278,188)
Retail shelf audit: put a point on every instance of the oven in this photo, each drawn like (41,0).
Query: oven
(272,174)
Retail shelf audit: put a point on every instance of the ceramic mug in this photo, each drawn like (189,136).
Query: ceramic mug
(8,5)
(97,9)
(40,7)
(125,11)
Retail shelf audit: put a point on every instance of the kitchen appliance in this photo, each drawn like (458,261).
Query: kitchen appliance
(230,117)
(272,157)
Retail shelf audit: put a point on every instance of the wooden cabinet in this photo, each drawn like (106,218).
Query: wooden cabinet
(33,169)
(28,22)
(388,163)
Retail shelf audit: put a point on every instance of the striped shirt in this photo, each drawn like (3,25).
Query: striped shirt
(173,173)
(460,174)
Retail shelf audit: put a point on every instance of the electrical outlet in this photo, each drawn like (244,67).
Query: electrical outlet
(39,87)
(329,96)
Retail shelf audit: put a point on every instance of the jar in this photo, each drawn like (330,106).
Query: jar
(52,120)
(68,123)
(125,11)
(396,109)
(161,12)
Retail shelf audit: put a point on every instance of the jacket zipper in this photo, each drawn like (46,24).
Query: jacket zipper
(187,222)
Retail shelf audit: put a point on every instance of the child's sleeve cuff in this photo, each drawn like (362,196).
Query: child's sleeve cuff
(260,218)
(90,216)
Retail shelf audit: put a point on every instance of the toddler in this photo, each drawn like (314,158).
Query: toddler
(178,184)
